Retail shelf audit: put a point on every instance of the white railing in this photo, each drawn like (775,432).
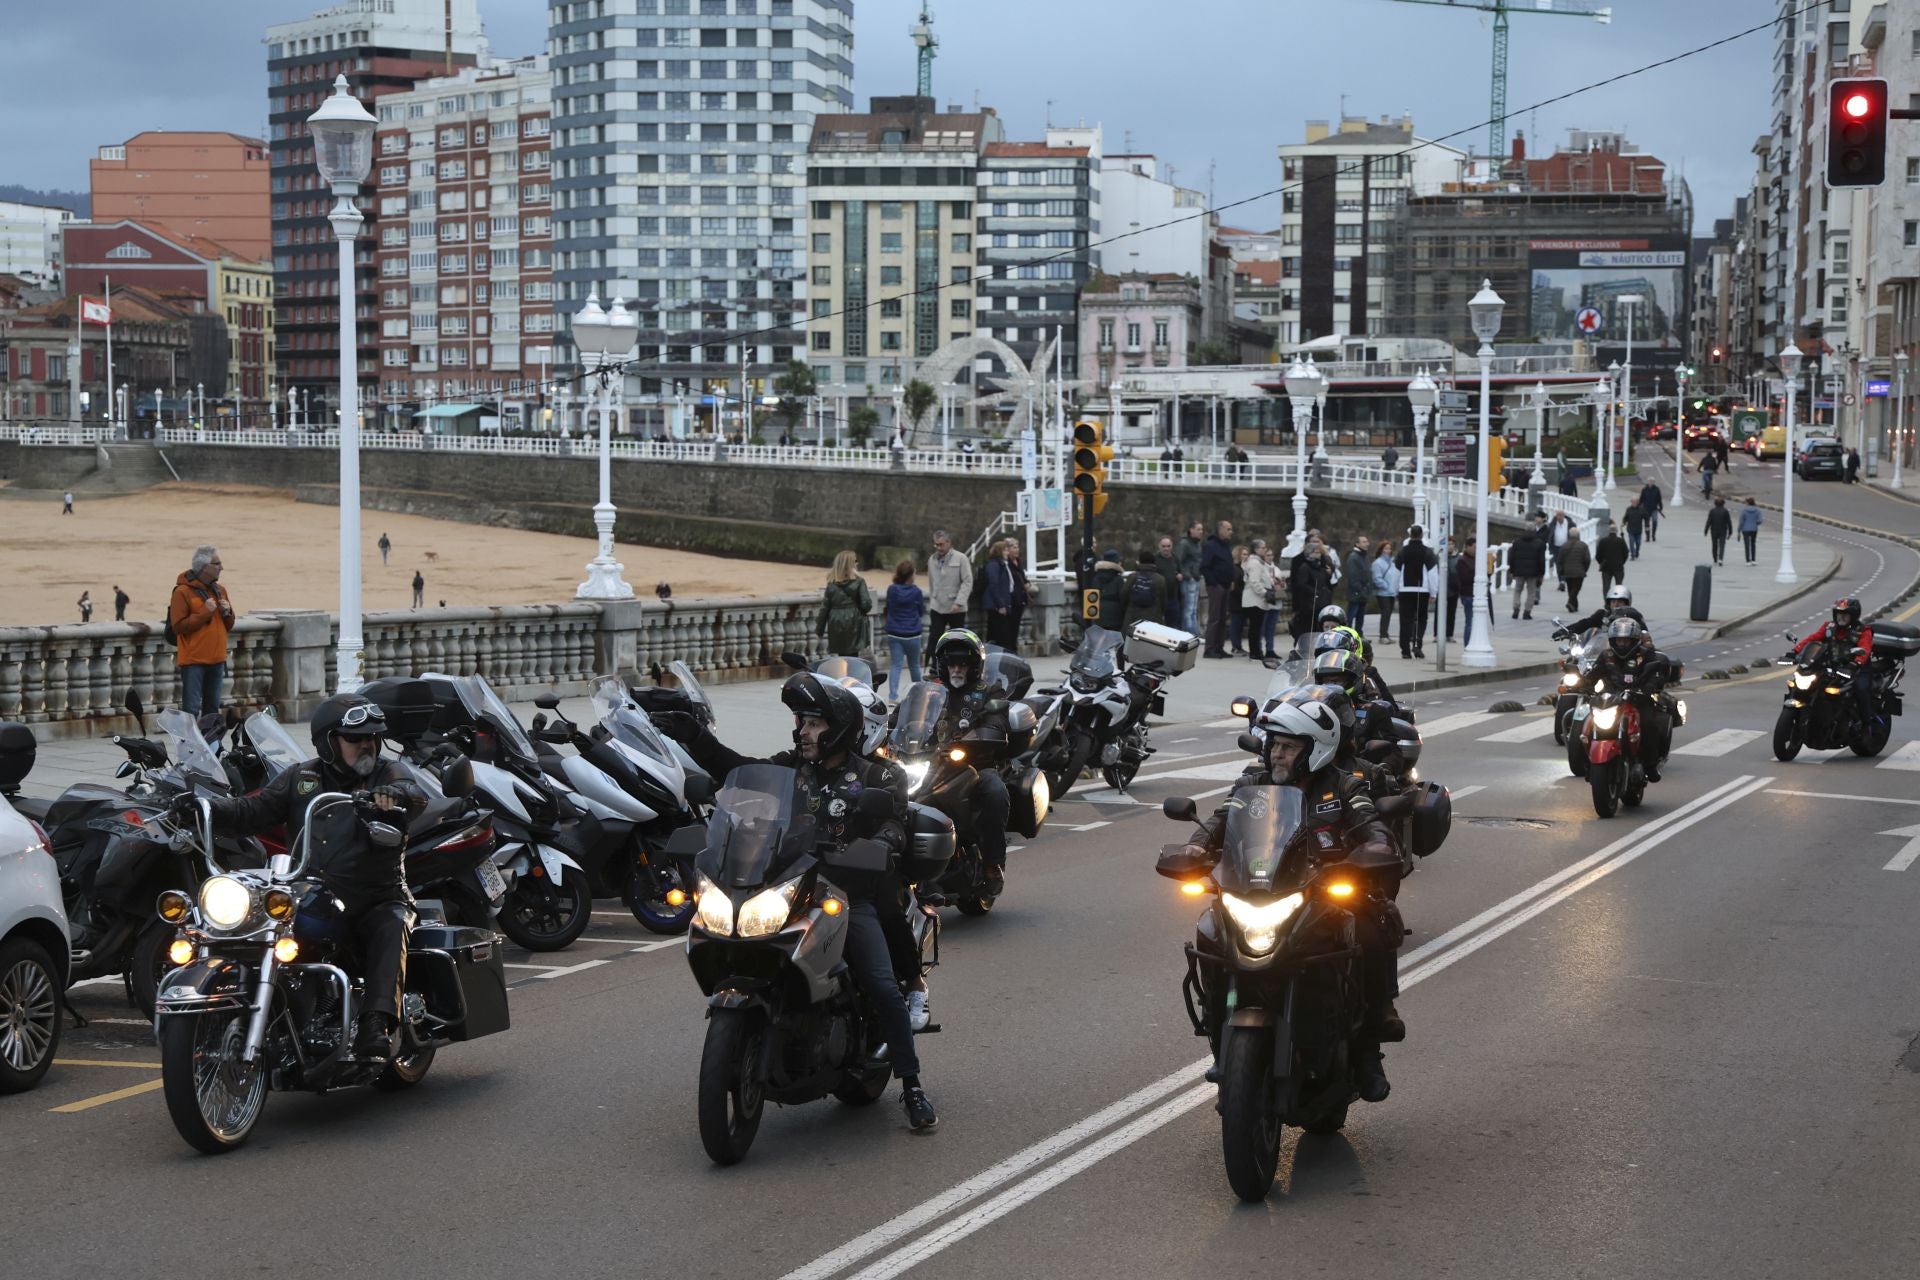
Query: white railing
(61,435)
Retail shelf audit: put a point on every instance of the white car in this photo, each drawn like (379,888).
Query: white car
(34,955)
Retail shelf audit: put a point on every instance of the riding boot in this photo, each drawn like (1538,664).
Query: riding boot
(1370,1073)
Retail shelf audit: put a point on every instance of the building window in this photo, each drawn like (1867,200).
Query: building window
(1837,308)
(1159,333)
(960,309)
(822,243)
(1913,162)
(890,309)
(823,342)
(1910,234)
(890,275)
(962,243)
(1133,335)
(1106,333)
(890,241)
(889,340)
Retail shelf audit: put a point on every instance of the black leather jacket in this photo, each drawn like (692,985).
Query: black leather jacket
(1647,672)
(974,710)
(338,850)
(1338,802)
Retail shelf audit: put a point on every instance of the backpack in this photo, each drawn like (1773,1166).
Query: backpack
(166,627)
(1140,594)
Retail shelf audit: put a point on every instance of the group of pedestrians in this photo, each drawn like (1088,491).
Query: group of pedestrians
(1721,526)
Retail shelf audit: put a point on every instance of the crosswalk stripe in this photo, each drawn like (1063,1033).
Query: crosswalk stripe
(1907,757)
(1447,724)
(1718,743)
(1535,727)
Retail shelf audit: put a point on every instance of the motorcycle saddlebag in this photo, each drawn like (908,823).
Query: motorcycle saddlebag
(16,753)
(1028,798)
(1432,818)
(409,705)
(1892,640)
(929,845)
(450,964)
(1164,648)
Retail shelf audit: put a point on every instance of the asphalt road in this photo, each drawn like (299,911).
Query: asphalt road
(1679,1042)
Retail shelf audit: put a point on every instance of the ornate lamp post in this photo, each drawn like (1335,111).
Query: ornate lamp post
(1485,310)
(1790,366)
(1304,386)
(1421,394)
(606,339)
(1537,482)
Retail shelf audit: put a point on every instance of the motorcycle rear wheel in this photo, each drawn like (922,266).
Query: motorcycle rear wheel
(731,1096)
(405,1071)
(972,905)
(1250,1128)
(1606,790)
(1119,776)
(543,916)
(1788,737)
(1872,741)
(867,1089)
(213,1099)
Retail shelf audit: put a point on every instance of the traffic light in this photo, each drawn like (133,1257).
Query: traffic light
(1496,464)
(1856,133)
(1090,456)
(1090,604)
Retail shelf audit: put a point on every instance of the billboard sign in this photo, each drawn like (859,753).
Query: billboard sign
(1576,282)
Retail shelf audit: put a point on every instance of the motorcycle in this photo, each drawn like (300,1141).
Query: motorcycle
(1820,710)
(1113,684)
(785,1022)
(1577,657)
(1273,976)
(262,997)
(1010,676)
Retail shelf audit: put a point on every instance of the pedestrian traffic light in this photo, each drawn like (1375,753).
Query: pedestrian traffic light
(1496,464)
(1856,133)
(1090,456)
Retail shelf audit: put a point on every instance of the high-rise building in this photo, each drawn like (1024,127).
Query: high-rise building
(30,240)
(462,170)
(213,185)
(381,47)
(681,130)
(1038,206)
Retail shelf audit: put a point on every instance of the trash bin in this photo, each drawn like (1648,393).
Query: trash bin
(1702,593)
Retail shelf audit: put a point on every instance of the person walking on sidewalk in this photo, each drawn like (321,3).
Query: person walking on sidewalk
(1708,465)
(200,616)
(1556,535)
(997,599)
(1186,558)
(1652,503)
(66,504)
(86,606)
(1635,523)
(949,587)
(1527,566)
(1853,466)
(905,601)
(1719,529)
(120,602)
(1460,584)
(1413,562)
(385,546)
(419,590)
(845,603)
(1750,517)
(1146,592)
(1610,555)
(1167,565)
(1217,571)
(1575,560)
(1386,587)
(1390,458)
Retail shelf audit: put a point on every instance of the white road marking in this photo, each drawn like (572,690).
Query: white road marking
(1907,855)
(1447,724)
(543,968)
(1835,795)
(98,982)
(1231,722)
(1463,792)
(1718,743)
(1218,771)
(1088,826)
(1907,757)
(1535,727)
(587,937)
(574,968)
(657,944)
(1179,741)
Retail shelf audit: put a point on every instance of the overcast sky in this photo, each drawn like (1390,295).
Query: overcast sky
(1211,86)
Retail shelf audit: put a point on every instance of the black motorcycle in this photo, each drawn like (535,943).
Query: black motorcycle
(785,1022)
(265,995)
(1821,708)
(1273,976)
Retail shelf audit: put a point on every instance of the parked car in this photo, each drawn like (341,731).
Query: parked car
(1821,456)
(34,953)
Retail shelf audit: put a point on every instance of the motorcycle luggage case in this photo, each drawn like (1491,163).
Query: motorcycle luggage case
(408,705)
(1028,799)
(473,960)
(16,753)
(1893,640)
(930,845)
(1432,818)
(1169,649)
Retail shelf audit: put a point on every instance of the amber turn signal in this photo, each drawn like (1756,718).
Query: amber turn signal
(180,952)
(1340,889)
(956,755)
(286,950)
(832,907)
(676,897)
(279,904)
(173,906)
(1192,888)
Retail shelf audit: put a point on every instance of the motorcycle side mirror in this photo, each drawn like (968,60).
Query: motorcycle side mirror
(1180,808)
(139,709)
(859,855)
(699,789)
(1248,743)
(875,803)
(1243,707)
(1378,750)
(1067,646)
(456,780)
(385,835)
(548,701)
(794,661)
(126,768)
(1791,638)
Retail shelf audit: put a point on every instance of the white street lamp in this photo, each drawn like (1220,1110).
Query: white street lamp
(1681,377)
(1790,366)
(1537,482)
(1613,420)
(1629,301)
(1320,440)
(605,339)
(342,133)
(1899,417)
(1304,385)
(1485,310)
(1422,394)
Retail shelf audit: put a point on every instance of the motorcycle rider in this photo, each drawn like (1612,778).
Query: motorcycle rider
(1630,663)
(957,663)
(370,882)
(827,726)
(1619,603)
(1344,639)
(1845,635)
(1371,716)
(1300,742)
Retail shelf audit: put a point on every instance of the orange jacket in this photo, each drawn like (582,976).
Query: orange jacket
(201,617)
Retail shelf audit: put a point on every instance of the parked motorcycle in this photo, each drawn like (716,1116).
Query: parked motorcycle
(1273,976)
(785,1022)
(264,996)
(1820,710)
(1114,683)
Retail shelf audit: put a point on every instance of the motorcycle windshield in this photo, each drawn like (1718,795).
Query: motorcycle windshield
(277,749)
(1261,824)
(1098,655)
(1007,672)
(916,721)
(683,677)
(485,706)
(191,753)
(844,669)
(757,829)
(1292,674)
(631,728)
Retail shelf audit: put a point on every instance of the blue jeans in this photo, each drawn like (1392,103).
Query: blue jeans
(1633,542)
(1269,623)
(200,687)
(871,965)
(904,655)
(1190,606)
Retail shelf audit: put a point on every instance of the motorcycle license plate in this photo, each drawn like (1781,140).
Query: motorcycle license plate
(491,880)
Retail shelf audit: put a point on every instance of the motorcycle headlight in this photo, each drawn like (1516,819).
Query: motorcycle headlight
(715,909)
(225,902)
(1042,798)
(1604,718)
(1259,922)
(916,772)
(1569,680)
(1680,710)
(1805,679)
(766,911)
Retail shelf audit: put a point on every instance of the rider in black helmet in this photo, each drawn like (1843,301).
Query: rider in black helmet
(957,663)
(1629,663)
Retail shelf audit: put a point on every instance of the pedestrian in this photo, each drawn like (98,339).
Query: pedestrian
(1652,503)
(86,606)
(1270,616)
(200,616)
(949,587)
(1309,586)
(1413,561)
(1853,466)
(419,590)
(845,604)
(1110,580)
(1635,524)
(120,602)
(1557,531)
(1167,565)
(1527,567)
(905,604)
(1390,458)
(1575,560)
(1237,622)
(1386,586)
(996,599)
(1186,556)
(385,546)
(1022,589)
(1719,529)
(1708,465)
(1359,575)
(66,504)
(1216,570)
(1750,518)
(1610,555)
(1567,486)
(1256,596)
(1460,586)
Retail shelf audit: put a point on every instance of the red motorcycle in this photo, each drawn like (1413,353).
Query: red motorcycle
(1612,739)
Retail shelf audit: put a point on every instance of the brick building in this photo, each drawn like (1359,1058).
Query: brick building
(210,185)
(154,347)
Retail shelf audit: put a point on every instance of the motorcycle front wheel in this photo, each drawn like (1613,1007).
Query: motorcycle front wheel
(1606,788)
(1576,755)
(213,1098)
(731,1095)
(1249,1125)
(1787,735)
(543,916)
(1561,721)
(647,892)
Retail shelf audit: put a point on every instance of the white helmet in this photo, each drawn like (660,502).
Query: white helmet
(873,715)
(1316,722)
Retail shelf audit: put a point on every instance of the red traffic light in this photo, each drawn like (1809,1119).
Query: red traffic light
(1857,118)
(1857,105)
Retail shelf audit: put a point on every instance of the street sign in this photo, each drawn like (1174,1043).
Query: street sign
(1451,451)
(1451,423)
(1451,400)
(1042,508)
(1879,387)
(1588,320)
(1847,399)
(1749,422)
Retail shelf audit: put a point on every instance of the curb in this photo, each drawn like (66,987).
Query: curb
(1911,589)
(1467,678)
(1722,628)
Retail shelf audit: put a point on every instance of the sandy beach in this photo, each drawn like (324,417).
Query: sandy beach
(283,554)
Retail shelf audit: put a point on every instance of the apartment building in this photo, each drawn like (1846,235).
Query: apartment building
(210,185)
(30,241)
(1038,214)
(462,173)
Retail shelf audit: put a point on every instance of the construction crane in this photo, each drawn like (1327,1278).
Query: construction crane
(928,44)
(1497,121)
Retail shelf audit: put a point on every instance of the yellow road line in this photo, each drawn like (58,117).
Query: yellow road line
(102,1099)
(1910,611)
(103,1062)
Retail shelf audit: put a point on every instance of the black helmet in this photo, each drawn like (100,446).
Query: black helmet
(1623,636)
(959,644)
(807,695)
(1846,612)
(345,715)
(1331,617)
(1618,596)
(1340,668)
(1329,640)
